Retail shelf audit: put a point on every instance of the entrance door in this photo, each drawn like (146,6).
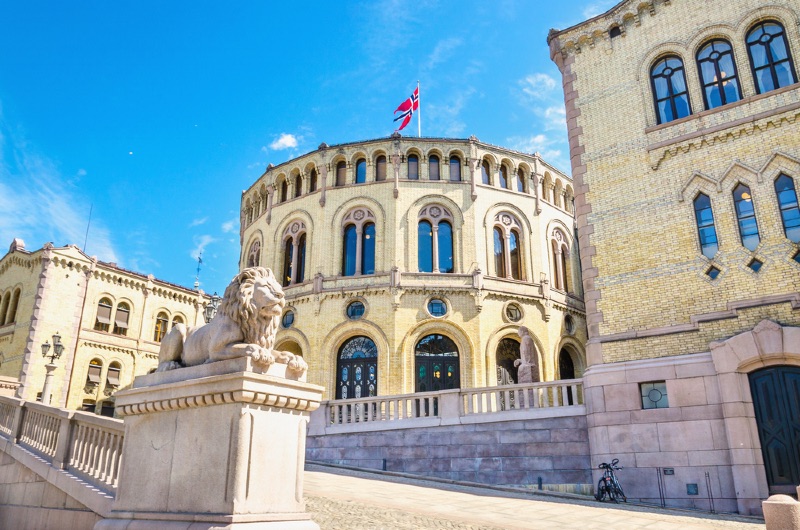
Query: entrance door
(507,353)
(357,369)
(776,399)
(437,364)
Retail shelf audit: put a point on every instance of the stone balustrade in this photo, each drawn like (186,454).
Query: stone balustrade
(446,407)
(86,445)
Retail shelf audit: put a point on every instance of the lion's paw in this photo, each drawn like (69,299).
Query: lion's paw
(298,364)
(168,365)
(261,355)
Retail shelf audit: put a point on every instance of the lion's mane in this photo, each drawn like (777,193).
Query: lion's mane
(237,304)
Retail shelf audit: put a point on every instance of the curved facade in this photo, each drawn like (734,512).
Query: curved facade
(407,262)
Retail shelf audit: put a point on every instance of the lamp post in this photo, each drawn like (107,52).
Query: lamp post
(58,349)
(211,308)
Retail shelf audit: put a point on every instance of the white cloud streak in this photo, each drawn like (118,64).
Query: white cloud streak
(198,222)
(284,141)
(200,244)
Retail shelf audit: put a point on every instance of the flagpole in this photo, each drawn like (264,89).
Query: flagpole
(419,114)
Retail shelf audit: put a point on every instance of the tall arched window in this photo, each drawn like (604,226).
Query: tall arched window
(705,225)
(520,180)
(499,253)
(433,167)
(718,74)
(294,253)
(562,271)
(787,202)
(11,316)
(425,247)
(437,364)
(112,376)
(162,322)
(435,239)
(547,185)
(770,57)
(103,319)
(413,167)
(357,369)
(358,248)
(284,190)
(670,94)
(513,248)
(502,174)
(746,217)
(121,317)
(380,168)
(298,186)
(254,255)
(444,245)
(505,356)
(341,173)
(485,172)
(93,373)
(312,181)
(177,320)
(455,168)
(507,253)
(361,171)
(6,301)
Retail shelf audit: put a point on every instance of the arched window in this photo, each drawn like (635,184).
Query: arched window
(505,356)
(294,253)
(435,240)
(705,225)
(499,253)
(287,262)
(513,247)
(547,185)
(566,370)
(746,217)
(12,310)
(112,376)
(176,320)
(437,364)
(455,168)
(562,271)
(433,167)
(254,255)
(358,248)
(103,319)
(361,171)
(718,74)
(4,308)
(341,173)
(413,167)
(298,186)
(507,253)
(121,318)
(520,180)
(380,168)
(107,408)
(357,369)
(312,181)
(670,93)
(787,201)
(770,57)
(301,259)
(94,372)
(485,172)
(284,191)
(162,322)
(502,174)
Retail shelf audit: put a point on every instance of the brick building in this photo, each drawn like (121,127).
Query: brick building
(110,321)
(684,145)
(410,264)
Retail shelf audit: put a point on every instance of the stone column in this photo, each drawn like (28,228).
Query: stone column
(295,250)
(435,247)
(219,445)
(270,193)
(47,391)
(323,170)
(359,250)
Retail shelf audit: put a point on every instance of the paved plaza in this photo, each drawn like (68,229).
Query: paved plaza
(354,500)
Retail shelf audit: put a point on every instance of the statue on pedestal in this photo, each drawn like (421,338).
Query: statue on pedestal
(527,367)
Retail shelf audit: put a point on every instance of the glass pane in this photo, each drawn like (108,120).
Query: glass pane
(425,251)
(726,66)
(713,97)
(503,174)
(665,112)
(445,243)
(682,106)
(455,168)
(520,180)
(787,197)
(708,72)
(731,88)
(433,167)
(765,81)
(413,167)
(341,174)
(380,168)
(485,173)
(349,257)
(678,82)
(513,246)
(301,258)
(777,48)
(784,75)
(312,185)
(758,54)
(368,250)
(287,262)
(361,171)
(660,84)
(499,251)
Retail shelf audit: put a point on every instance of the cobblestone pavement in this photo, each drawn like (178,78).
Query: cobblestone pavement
(353,500)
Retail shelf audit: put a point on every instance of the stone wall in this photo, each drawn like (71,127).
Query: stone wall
(505,452)
(28,502)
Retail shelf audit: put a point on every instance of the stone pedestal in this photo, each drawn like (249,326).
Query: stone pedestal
(217,446)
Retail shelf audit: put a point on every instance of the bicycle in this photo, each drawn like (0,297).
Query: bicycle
(609,485)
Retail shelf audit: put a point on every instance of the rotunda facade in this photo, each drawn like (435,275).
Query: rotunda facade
(410,264)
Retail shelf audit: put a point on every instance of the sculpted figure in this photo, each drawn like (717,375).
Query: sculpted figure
(527,369)
(245,326)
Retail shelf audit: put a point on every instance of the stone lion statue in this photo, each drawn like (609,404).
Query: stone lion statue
(245,326)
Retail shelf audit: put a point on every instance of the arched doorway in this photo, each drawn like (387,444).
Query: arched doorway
(776,400)
(507,353)
(357,368)
(437,364)
(566,370)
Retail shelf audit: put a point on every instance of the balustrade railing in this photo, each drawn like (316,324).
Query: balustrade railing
(446,407)
(87,445)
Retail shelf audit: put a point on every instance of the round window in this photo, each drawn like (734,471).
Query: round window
(355,310)
(513,313)
(569,324)
(288,319)
(437,307)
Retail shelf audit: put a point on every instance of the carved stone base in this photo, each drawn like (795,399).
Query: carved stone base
(216,445)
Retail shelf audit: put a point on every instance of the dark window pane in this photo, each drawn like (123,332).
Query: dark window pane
(433,167)
(503,175)
(341,174)
(513,246)
(380,168)
(355,310)
(361,171)
(301,259)
(485,173)
(368,250)
(455,168)
(287,262)
(312,185)
(425,251)
(787,201)
(661,87)
(520,180)
(499,253)
(682,106)
(413,167)
(445,244)
(349,252)
(705,225)
(298,186)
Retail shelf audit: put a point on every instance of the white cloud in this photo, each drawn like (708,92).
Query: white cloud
(229,227)
(284,141)
(443,51)
(200,244)
(538,86)
(446,116)
(545,145)
(597,7)
(198,222)
(81,172)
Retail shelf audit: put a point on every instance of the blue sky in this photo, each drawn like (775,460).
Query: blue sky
(156,115)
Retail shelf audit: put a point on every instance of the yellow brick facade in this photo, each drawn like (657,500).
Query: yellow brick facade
(397,294)
(60,291)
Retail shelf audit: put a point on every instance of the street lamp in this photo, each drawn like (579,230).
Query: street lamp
(211,308)
(58,349)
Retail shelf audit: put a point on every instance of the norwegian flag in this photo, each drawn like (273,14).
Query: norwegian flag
(407,109)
